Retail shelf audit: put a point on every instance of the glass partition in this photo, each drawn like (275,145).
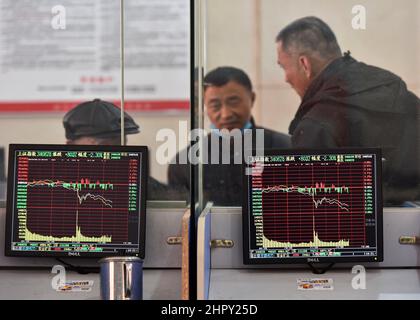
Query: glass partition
(157,53)
(360,88)
(58,56)
(48,65)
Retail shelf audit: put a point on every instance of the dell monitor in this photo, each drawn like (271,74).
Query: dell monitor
(72,200)
(309,206)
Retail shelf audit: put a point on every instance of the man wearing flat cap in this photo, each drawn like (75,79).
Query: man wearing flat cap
(98,122)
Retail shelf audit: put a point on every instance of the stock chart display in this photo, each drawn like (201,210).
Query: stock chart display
(76,202)
(312,206)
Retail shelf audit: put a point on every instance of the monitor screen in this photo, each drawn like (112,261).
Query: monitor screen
(70,200)
(304,206)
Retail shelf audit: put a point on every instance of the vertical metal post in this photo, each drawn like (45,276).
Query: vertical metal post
(201,28)
(122,69)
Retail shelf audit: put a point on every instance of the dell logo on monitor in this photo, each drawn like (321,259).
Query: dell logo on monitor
(313,260)
(77,254)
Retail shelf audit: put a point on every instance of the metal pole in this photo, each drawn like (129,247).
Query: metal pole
(201,64)
(122,70)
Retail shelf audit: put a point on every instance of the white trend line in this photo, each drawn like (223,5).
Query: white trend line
(317,203)
(94,197)
(105,201)
(330,201)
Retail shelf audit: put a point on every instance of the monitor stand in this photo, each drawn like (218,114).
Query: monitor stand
(316,270)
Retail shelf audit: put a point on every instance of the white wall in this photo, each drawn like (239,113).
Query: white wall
(242,33)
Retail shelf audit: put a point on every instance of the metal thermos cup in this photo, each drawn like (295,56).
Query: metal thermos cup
(121,278)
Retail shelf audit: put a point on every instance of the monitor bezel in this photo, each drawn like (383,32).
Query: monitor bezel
(143,150)
(304,260)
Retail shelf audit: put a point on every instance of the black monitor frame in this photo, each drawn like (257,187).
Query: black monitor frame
(143,172)
(378,209)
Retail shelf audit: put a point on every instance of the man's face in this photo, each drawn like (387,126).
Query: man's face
(293,69)
(229,106)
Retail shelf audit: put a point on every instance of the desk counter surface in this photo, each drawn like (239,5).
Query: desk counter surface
(158,284)
(253,284)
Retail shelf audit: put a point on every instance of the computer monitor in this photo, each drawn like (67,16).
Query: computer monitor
(309,206)
(76,201)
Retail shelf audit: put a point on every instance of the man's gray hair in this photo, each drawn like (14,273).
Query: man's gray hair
(309,35)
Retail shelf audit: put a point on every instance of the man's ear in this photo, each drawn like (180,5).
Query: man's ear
(306,65)
(253,97)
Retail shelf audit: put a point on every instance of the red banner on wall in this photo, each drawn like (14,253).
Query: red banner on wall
(63,106)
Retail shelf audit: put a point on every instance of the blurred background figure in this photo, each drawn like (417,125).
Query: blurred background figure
(347,103)
(98,122)
(228,99)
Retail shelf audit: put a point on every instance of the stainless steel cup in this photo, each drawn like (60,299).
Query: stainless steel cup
(121,278)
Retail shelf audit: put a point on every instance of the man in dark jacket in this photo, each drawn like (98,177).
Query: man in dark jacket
(228,97)
(346,103)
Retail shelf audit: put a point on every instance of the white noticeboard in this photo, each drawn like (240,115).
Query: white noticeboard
(55,54)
